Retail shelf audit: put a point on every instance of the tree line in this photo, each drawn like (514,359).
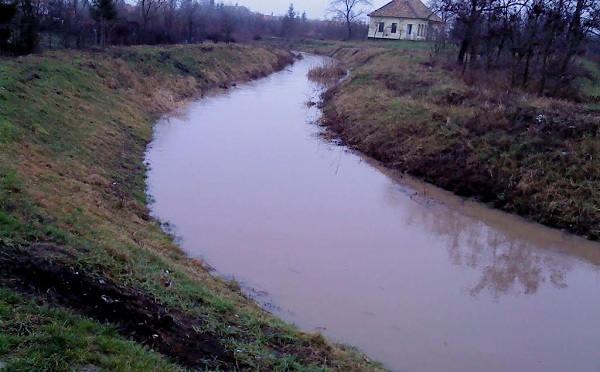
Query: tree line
(534,41)
(27,25)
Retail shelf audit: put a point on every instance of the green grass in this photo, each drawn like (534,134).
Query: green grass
(35,337)
(8,132)
(323,46)
(399,44)
(590,86)
(73,129)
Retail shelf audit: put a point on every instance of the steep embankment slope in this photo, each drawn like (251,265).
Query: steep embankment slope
(88,279)
(533,156)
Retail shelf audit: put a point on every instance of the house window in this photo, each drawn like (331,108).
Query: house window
(394,28)
(381,26)
(408,29)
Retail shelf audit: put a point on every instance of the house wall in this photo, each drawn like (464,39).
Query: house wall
(402,27)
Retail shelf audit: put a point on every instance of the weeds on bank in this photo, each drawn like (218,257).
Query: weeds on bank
(590,82)
(73,130)
(36,337)
(326,72)
(473,135)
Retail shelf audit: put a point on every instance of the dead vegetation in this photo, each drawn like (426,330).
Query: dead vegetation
(74,223)
(326,72)
(534,156)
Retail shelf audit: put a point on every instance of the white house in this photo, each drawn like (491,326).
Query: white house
(404,20)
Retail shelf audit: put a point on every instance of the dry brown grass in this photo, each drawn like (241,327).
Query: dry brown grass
(472,135)
(72,174)
(327,71)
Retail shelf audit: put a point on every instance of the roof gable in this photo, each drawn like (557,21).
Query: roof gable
(406,9)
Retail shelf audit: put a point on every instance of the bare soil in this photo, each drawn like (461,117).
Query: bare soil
(37,270)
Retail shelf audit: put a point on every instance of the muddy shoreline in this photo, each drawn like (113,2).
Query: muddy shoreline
(530,157)
(417,281)
(77,236)
(40,272)
(450,171)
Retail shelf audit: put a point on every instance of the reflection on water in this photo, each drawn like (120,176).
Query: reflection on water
(416,278)
(513,267)
(507,265)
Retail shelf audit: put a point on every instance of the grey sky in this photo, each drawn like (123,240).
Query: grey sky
(315,9)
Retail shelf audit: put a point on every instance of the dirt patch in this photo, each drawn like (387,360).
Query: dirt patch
(135,313)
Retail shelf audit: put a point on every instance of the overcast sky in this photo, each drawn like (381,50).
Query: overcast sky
(315,9)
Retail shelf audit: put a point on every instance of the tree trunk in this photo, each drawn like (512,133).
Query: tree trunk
(574,37)
(526,68)
(464,47)
(544,74)
(349,25)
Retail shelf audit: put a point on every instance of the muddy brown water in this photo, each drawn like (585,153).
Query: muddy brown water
(413,276)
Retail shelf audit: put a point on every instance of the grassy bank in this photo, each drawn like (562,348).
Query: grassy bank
(91,282)
(533,156)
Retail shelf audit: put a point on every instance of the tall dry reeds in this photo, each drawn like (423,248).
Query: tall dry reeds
(473,135)
(326,72)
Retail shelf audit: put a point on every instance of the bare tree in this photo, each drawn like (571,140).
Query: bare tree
(148,10)
(229,19)
(536,41)
(103,12)
(348,11)
(190,15)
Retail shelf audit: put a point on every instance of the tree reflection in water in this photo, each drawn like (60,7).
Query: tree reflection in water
(508,265)
(514,267)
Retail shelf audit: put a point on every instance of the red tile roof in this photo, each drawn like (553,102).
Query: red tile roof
(406,9)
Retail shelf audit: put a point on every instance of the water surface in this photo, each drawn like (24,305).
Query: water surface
(411,275)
